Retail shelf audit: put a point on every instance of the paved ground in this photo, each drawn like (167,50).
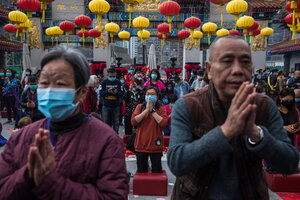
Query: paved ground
(131,167)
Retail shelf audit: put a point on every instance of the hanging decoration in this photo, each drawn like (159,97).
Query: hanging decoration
(192,23)
(183,34)
(67,27)
(99,8)
(220,3)
(251,29)
(83,22)
(56,31)
(10,28)
(197,35)
(94,33)
(29,6)
(162,37)
(83,34)
(140,23)
(49,32)
(234,32)
(163,29)
(26,25)
(267,32)
(44,8)
(124,35)
(209,28)
(17,17)
(244,23)
(131,3)
(112,28)
(169,8)
(236,7)
(144,35)
(222,32)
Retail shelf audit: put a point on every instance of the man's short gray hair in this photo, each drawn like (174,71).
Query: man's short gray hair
(76,59)
(212,46)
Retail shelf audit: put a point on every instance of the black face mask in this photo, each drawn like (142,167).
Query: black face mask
(288,104)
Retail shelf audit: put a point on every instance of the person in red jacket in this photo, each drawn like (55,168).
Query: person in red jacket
(90,103)
(149,118)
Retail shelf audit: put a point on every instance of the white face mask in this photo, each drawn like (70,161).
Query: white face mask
(199,78)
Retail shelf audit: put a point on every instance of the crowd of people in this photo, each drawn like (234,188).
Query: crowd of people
(218,139)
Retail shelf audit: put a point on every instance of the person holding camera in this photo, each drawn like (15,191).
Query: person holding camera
(111,93)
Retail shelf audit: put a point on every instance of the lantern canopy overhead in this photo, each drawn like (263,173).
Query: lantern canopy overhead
(10,28)
(169,9)
(17,17)
(209,28)
(83,21)
(99,7)
(140,22)
(245,22)
(29,6)
(131,3)
(192,23)
(124,35)
(236,7)
(112,28)
(183,34)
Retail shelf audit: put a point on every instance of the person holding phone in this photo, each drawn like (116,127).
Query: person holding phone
(112,94)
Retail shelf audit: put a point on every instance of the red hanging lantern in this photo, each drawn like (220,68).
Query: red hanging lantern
(170,9)
(234,32)
(162,36)
(94,33)
(163,28)
(11,29)
(67,27)
(289,5)
(256,32)
(29,6)
(251,29)
(83,21)
(192,23)
(183,34)
(83,34)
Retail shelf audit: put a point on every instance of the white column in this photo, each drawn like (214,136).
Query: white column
(104,55)
(190,56)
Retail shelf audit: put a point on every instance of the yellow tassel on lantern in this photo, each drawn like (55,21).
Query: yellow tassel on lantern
(67,34)
(222,19)
(245,34)
(56,37)
(52,40)
(170,23)
(10,35)
(130,10)
(162,43)
(29,14)
(266,42)
(209,35)
(43,8)
(111,37)
(236,17)
(294,4)
(124,43)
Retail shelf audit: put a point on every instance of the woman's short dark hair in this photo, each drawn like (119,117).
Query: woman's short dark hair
(76,59)
(138,69)
(155,71)
(158,104)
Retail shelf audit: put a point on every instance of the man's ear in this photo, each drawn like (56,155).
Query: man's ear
(82,94)
(208,69)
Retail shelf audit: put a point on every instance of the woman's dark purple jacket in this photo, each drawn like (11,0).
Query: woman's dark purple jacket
(90,164)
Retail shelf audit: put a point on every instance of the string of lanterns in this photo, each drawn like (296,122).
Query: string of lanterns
(168,8)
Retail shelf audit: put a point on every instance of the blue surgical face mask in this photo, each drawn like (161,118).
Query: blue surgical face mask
(56,103)
(1,74)
(169,88)
(27,73)
(297,100)
(111,78)
(134,89)
(154,76)
(122,81)
(8,74)
(171,105)
(268,73)
(263,93)
(153,98)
